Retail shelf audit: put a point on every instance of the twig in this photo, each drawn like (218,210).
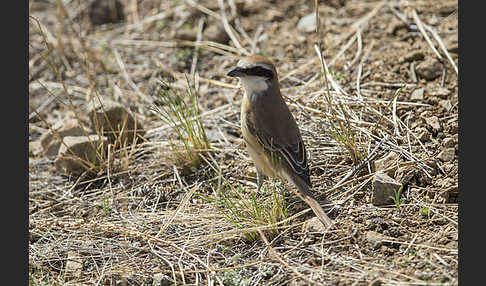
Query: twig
(442,46)
(179,208)
(422,30)
(362,163)
(200,26)
(274,252)
(413,72)
(228,30)
(127,78)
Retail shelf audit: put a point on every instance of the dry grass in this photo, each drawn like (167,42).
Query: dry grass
(143,214)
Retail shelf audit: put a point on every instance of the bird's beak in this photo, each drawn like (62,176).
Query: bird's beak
(236,72)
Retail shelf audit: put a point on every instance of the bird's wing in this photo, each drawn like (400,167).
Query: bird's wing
(293,154)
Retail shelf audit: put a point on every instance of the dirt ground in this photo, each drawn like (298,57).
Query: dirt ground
(145,220)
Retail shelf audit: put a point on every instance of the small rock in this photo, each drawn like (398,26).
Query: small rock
(105,11)
(418,94)
(35,148)
(434,123)
(77,150)
(313,225)
(447,155)
(412,56)
(74,265)
(111,119)
(452,126)
(386,162)
(384,186)
(429,69)
(451,44)
(375,239)
(161,279)
(423,134)
(448,142)
(405,174)
(307,23)
(441,92)
(446,104)
(67,127)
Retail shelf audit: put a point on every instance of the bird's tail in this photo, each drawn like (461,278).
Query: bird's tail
(305,194)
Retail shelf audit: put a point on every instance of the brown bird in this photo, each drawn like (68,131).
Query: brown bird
(270,132)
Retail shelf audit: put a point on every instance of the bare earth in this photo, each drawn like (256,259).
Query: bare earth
(143,218)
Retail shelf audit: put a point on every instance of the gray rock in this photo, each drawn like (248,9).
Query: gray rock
(103,11)
(35,148)
(412,56)
(448,142)
(429,69)
(451,43)
(383,186)
(441,92)
(446,104)
(313,225)
(418,94)
(433,123)
(375,239)
(307,23)
(423,134)
(50,142)
(112,119)
(161,279)
(391,159)
(447,154)
(79,152)
(405,174)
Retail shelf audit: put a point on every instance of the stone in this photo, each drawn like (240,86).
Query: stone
(51,143)
(307,23)
(105,11)
(391,159)
(423,134)
(111,119)
(405,174)
(446,104)
(161,279)
(77,151)
(447,154)
(384,187)
(451,43)
(74,265)
(448,142)
(313,225)
(418,94)
(375,239)
(412,56)
(429,69)
(35,148)
(441,92)
(434,123)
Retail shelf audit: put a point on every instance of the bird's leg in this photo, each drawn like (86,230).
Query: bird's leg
(260,178)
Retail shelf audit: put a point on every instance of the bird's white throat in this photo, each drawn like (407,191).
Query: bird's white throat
(253,84)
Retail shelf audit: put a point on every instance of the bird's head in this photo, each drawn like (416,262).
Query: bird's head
(256,73)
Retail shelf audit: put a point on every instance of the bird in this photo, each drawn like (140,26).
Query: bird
(270,132)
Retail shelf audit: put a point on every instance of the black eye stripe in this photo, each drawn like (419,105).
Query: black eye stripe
(258,71)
